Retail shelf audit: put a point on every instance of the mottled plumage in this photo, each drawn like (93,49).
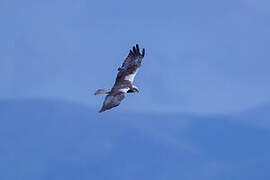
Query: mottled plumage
(124,80)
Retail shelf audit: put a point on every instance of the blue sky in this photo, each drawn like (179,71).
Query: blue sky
(206,61)
(201,56)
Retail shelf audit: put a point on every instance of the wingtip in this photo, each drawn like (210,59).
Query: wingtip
(134,50)
(102,110)
(137,48)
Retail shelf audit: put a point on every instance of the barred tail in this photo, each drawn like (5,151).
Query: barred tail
(102,91)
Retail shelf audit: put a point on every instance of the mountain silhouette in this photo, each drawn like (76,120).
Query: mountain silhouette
(52,139)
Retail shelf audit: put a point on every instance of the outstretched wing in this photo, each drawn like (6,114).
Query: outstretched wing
(133,57)
(130,66)
(112,100)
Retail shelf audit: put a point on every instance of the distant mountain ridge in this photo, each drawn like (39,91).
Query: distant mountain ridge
(51,139)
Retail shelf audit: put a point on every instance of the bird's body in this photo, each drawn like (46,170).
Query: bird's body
(124,80)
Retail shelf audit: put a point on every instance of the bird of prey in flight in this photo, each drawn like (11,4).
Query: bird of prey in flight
(124,80)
